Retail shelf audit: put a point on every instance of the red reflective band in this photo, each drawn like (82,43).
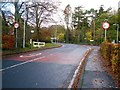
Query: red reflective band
(16,25)
(105,25)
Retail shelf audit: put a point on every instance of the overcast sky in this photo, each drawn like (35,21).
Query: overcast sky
(86,4)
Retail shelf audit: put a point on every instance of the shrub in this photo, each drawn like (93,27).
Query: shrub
(27,44)
(111,55)
(105,49)
(8,42)
(116,61)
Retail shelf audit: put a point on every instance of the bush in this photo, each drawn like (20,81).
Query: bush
(116,61)
(105,49)
(8,42)
(111,55)
(27,44)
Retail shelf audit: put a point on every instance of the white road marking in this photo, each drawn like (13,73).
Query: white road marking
(21,63)
(31,55)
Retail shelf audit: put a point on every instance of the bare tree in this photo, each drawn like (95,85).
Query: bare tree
(40,12)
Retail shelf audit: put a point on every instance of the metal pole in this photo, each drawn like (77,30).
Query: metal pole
(30,40)
(56,33)
(105,34)
(117,32)
(67,39)
(94,32)
(94,29)
(24,36)
(16,39)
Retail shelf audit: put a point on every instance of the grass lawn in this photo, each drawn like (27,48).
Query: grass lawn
(27,49)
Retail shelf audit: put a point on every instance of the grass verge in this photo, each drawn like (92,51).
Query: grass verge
(28,49)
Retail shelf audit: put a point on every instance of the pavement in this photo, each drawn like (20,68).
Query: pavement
(50,68)
(93,75)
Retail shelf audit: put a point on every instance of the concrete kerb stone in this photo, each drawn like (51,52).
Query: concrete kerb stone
(77,74)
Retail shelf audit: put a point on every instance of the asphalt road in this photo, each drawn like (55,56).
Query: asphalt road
(51,68)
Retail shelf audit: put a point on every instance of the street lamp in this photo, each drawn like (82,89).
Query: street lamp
(117,31)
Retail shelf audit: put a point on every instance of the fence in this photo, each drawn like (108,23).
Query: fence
(38,44)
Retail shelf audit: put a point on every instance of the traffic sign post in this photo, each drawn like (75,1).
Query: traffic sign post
(105,35)
(105,26)
(16,25)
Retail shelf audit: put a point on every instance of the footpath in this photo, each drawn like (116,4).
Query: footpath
(93,75)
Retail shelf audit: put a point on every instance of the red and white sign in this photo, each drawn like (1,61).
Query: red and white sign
(16,25)
(105,25)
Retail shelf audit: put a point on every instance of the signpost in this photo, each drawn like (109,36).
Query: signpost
(105,26)
(16,25)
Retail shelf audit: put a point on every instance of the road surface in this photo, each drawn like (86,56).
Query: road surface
(51,68)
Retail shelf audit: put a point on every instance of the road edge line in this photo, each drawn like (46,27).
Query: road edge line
(74,80)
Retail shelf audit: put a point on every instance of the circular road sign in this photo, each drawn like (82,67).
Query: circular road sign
(105,25)
(16,25)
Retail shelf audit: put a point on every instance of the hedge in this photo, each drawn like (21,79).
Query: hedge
(105,50)
(111,54)
(116,61)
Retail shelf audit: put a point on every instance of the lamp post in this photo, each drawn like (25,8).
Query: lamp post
(56,33)
(117,32)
